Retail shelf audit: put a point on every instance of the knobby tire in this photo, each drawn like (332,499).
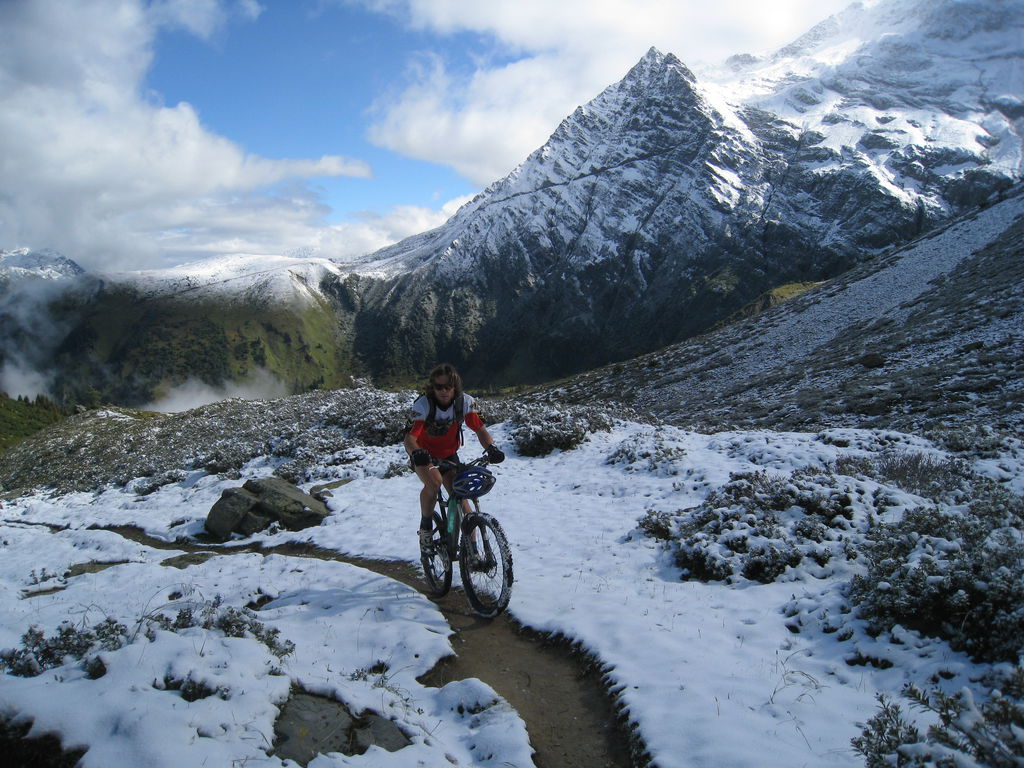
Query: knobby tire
(437,564)
(488,585)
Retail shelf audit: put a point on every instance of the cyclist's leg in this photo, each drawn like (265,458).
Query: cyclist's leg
(431,479)
(449,477)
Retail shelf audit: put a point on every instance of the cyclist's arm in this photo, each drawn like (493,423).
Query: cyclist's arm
(474,422)
(412,436)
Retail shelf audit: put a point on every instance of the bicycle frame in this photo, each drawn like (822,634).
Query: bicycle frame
(452,514)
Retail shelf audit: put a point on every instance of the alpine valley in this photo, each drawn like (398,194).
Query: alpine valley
(762,333)
(668,205)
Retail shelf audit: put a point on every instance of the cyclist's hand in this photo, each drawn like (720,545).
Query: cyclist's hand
(495,454)
(420,457)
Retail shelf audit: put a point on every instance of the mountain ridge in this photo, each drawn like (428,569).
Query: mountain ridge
(671,201)
(788,220)
(928,336)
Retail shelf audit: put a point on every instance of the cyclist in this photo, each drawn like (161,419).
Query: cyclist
(435,434)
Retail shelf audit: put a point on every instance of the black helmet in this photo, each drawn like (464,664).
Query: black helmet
(473,482)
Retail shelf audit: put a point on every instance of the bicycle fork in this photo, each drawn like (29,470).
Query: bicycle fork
(456,525)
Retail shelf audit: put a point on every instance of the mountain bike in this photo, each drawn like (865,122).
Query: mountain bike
(473,538)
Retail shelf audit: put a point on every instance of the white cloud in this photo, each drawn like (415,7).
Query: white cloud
(482,125)
(97,170)
(20,381)
(261,385)
(486,121)
(202,18)
(373,231)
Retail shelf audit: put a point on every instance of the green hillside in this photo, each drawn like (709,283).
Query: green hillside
(21,417)
(130,350)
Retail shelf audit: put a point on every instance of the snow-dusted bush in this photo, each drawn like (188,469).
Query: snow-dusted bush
(39,653)
(648,452)
(230,621)
(979,440)
(954,573)
(317,447)
(929,475)
(965,734)
(537,430)
(757,526)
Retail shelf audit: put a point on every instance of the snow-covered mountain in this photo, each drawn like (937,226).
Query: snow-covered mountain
(902,82)
(669,201)
(927,337)
(45,264)
(652,214)
(256,278)
(255,322)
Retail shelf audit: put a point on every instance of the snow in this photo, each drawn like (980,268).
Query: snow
(282,278)
(46,264)
(709,673)
(886,292)
(940,90)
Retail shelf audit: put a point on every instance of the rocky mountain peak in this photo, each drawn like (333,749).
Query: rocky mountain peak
(45,263)
(671,200)
(653,67)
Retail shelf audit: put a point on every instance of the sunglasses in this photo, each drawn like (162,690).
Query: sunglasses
(443,387)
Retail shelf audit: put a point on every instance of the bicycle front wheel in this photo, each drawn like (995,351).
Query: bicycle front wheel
(437,563)
(485,562)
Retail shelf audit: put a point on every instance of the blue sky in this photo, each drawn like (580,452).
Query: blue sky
(147,133)
(301,82)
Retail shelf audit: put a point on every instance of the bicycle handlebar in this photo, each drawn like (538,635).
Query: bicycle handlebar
(446,465)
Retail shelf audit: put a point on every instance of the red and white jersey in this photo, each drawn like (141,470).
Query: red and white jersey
(441,437)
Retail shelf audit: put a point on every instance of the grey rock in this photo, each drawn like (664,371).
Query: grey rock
(260,503)
(310,725)
(229,511)
(286,503)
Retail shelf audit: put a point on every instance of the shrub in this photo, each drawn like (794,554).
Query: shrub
(740,531)
(537,430)
(657,525)
(924,474)
(39,653)
(972,439)
(965,734)
(767,563)
(921,473)
(319,446)
(883,735)
(648,452)
(374,417)
(952,574)
(231,621)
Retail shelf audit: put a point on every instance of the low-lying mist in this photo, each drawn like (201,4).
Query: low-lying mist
(261,385)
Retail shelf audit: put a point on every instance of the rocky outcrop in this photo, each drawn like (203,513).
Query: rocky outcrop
(671,201)
(928,339)
(260,503)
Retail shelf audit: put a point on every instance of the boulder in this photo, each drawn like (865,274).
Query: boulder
(260,503)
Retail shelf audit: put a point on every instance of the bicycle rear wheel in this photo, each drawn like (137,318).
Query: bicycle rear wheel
(485,562)
(437,564)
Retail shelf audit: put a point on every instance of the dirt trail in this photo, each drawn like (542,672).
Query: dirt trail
(558,691)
